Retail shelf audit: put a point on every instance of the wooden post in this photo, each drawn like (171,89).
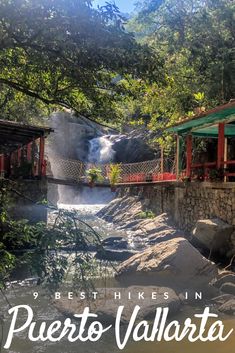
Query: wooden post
(41,155)
(221,146)
(189,143)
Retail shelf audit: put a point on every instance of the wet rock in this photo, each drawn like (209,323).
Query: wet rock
(225,303)
(114,255)
(121,210)
(231,251)
(174,262)
(228,307)
(213,234)
(227,278)
(221,299)
(164,235)
(228,288)
(115,243)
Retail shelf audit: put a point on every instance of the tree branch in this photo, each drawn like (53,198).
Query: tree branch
(33,94)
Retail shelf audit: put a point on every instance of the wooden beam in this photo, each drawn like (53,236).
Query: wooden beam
(189,144)
(221,145)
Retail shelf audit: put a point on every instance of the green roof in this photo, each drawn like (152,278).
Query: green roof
(206,124)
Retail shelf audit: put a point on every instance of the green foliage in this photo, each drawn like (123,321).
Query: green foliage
(44,248)
(195,39)
(179,62)
(114,173)
(216,174)
(94,175)
(65,53)
(199,97)
(146,214)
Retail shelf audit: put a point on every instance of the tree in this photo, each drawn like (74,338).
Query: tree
(195,39)
(65,52)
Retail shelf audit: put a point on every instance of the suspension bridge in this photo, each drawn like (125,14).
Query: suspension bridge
(74,172)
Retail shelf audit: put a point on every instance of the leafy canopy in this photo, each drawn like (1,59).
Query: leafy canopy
(65,52)
(196,41)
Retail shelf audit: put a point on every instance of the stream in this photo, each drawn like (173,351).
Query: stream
(44,310)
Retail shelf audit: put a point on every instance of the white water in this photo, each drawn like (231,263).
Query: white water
(100,150)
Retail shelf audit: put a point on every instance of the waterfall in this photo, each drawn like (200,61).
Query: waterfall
(100,150)
(79,139)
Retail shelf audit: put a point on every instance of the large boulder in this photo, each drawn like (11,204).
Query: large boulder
(131,149)
(156,230)
(121,210)
(213,234)
(226,278)
(174,263)
(228,288)
(228,307)
(225,303)
(231,250)
(109,299)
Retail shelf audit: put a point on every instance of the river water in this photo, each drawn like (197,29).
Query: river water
(44,310)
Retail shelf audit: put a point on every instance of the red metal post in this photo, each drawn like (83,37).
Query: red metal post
(221,145)
(29,152)
(41,170)
(189,143)
(19,156)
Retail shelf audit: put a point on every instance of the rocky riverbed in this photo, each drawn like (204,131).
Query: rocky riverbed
(166,256)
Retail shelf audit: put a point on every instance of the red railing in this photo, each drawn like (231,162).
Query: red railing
(207,167)
(24,162)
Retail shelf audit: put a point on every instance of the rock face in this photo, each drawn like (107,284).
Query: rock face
(131,149)
(173,262)
(213,234)
(126,211)
(71,136)
(121,210)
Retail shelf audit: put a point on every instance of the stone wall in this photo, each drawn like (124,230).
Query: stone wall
(188,202)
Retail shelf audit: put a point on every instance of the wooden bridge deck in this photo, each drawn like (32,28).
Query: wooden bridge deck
(75,183)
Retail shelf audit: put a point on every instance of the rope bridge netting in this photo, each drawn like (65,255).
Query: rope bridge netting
(75,170)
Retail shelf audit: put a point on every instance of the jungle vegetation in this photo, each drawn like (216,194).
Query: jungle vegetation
(169,58)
